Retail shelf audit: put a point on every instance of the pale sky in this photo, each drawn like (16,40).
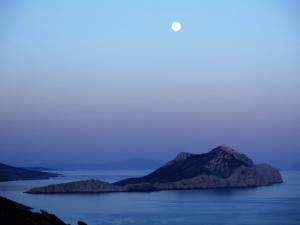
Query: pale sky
(94,81)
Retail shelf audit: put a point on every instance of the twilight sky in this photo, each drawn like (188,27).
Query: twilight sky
(91,81)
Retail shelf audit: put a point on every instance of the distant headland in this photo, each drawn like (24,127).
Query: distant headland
(12,173)
(222,167)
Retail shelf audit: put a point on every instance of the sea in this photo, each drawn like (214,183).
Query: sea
(277,204)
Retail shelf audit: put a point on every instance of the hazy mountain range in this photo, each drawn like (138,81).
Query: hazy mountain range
(127,164)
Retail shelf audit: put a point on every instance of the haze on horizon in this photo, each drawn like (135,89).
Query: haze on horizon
(97,81)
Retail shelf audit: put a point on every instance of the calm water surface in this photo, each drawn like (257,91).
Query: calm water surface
(270,205)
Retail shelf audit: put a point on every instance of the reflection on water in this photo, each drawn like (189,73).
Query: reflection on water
(276,204)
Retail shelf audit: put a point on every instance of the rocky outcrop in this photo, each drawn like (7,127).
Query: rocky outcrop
(89,186)
(11,173)
(13,213)
(222,167)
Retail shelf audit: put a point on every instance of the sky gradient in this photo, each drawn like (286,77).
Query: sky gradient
(94,81)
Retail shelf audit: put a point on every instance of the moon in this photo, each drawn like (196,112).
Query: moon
(176,26)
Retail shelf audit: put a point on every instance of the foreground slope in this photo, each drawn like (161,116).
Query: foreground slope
(13,213)
(222,167)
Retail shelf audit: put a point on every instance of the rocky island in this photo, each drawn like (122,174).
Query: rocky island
(222,167)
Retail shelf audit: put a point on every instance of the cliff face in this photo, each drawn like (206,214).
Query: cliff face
(220,168)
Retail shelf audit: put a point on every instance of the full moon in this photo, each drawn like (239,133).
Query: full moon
(176,26)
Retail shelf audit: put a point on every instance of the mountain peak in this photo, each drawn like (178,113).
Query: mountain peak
(225,148)
(182,156)
(229,150)
(179,157)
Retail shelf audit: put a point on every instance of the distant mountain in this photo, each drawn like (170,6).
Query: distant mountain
(135,163)
(128,164)
(222,167)
(10,173)
(13,213)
